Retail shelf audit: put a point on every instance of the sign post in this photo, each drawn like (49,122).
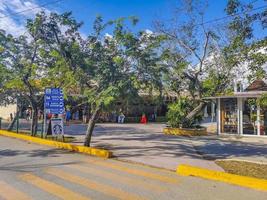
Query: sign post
(53,104)
(57,127)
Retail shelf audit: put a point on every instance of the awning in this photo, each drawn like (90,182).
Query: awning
(251,94)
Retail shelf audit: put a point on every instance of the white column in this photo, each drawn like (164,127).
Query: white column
(258,120)
(206,112)
(218,116)
(212,111)
(240,115)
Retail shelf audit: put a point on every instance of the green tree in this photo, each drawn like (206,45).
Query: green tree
(19,58)
(35,61)
(203,60)
(242,46)
(188,43)
(118,66)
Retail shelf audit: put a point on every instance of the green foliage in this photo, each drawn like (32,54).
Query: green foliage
(43,58)
(116,67)
(243,46)
(178,111)
(262,101)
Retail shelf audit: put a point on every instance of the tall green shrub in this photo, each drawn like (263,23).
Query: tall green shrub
(178,111)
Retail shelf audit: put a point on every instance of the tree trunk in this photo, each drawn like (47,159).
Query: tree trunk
(196,111)
(90,127)
(11,125)
(34,124)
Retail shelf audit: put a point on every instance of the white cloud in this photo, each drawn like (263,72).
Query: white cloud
(15,23)
(108,36)
(148,32)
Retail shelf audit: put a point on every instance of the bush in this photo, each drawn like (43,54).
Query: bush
(178,111)
(161,119)
(132,119)
(138,119)
(262,101)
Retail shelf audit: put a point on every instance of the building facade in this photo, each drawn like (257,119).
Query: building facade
(240,114)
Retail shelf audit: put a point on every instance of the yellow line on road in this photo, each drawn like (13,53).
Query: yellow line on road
(10,193)
(52,188)
(106,189)
(118,178)
(137,172)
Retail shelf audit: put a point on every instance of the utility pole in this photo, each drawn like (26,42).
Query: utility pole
(17,115)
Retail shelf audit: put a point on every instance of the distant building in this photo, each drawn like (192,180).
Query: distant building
(6,110)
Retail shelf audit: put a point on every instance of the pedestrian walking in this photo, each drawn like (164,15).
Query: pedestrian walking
(121,118)
(143,119)
(68,117)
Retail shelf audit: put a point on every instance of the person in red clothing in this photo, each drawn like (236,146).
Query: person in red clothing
(143,119)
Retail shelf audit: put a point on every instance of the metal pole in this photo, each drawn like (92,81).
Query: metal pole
(219,116)
(44,125)
(17,115)
(258,120)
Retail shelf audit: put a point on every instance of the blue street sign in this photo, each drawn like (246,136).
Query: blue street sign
(53,91)
(55,111)
(54,100)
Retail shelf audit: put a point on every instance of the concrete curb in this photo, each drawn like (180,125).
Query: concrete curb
(185,131)
(81,149)
(254,183)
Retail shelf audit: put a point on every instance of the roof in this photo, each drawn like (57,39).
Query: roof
(255,89)
(249,94)
(257,85)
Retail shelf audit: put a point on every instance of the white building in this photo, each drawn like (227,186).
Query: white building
(6,110)
(240,114)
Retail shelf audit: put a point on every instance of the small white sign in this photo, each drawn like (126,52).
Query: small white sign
(57,126)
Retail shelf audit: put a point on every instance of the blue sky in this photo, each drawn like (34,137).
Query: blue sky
(146,10)
(86,10)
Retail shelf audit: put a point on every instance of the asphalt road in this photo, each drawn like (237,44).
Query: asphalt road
(143,144)
(29,171)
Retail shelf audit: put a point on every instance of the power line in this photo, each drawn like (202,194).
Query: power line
(207,22)
(233,15)
(33,8)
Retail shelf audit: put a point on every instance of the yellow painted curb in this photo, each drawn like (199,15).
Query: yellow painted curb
(254,183)
(185,131)
(81,149)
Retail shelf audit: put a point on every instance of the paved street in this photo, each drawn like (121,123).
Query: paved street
(247,148)
(148,145)
(143,144)
(30,171)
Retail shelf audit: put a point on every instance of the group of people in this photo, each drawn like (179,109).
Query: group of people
(68,115)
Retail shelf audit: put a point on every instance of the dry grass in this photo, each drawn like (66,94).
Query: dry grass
(243,168)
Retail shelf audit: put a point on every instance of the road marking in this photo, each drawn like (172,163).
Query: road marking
(106,189)
(137,172)
(10,193)
(118,178)
(52,188)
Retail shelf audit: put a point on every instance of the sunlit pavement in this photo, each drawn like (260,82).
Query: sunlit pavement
(143,144)
(29,171)
(148,145)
